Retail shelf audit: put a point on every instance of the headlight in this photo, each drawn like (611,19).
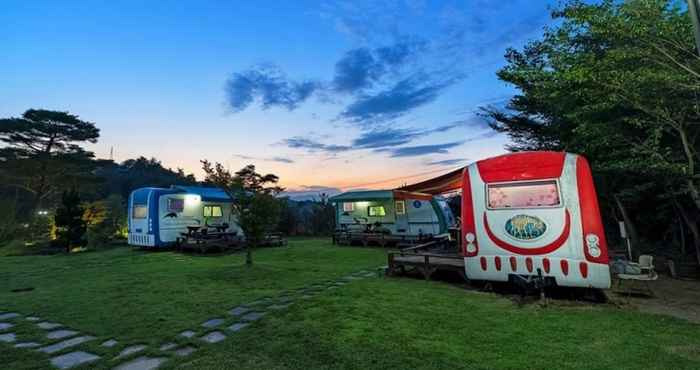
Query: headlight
(471,248)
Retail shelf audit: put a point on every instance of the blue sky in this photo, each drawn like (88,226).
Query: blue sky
(337,94)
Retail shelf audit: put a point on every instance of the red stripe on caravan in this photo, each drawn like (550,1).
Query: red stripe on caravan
(468,223)
(513,263)
(545,264)
(590,212)
(549,248)
(497,262)
(583,266)
(483,263)
(564,267)
(528,264)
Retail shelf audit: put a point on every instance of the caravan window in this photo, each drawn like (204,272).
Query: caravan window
(348,207)
(213,211)
(139,211)
(176,205)
(400,207)
(376,211)
(523,195)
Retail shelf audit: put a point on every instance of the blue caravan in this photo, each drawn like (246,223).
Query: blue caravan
(159,216)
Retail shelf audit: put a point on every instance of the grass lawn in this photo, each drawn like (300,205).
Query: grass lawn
(148,298)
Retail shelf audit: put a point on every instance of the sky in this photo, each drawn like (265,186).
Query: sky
(328,95)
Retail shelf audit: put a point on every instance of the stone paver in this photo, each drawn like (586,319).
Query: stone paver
(184,351)
(73,359)
(187,334)
(60,346)
(9,315)
(142,363)
(238,311)
(27,345)
(5,325)
(60,334)
(8,338)
(167,346)
(253,316)
(238,326)
(109,343)
(32,318)
(213,337)
(278,307)
(48,325)
(212,323)
(130,350)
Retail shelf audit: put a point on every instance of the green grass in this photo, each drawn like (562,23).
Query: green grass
(376,323)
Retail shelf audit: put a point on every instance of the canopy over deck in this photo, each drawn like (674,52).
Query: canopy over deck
(450,181)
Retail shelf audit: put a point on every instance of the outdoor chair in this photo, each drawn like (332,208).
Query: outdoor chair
(647,274)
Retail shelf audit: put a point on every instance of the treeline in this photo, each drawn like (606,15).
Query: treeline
(55,192)
(618,82)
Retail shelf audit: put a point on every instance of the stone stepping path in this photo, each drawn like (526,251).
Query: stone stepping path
(212,323)
(142,363)
(214,337)
(245,314)
(238,311)
(5,325)
(48,325)
(184,351)
(9,315)
(73,359)
(60,346)
(109,343)
(60,334)
(130,350)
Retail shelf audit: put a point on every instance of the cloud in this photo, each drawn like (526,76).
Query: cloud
(389,137)
(362,68)
(447,162)
(268,84)
(413,151)
(404,96)
(277,159)
(482,136)
(312,145)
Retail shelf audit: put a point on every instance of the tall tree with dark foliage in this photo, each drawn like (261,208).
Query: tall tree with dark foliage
(42,153)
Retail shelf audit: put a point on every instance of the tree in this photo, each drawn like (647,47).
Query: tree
(618,82)
(42,154)
(70,225)
(255,204)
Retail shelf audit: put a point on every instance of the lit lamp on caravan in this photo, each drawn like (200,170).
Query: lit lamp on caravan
(192,199)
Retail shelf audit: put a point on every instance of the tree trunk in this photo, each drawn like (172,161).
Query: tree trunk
(629,224)
(694,230)
(690,158)
(249,255)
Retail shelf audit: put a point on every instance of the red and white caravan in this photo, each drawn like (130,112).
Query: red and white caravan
(533,213)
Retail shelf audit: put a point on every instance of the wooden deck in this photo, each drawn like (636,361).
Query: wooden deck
(424,259)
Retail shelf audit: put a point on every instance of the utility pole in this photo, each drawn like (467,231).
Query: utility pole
(693,7)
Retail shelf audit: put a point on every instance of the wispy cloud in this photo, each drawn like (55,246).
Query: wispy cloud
(310,192)
(404,96)
(277,159)
(447,162)
(414,151)
(270,86)
(313,145)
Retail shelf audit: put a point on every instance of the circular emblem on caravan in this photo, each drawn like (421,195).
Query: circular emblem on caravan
(417,204)
(525,227)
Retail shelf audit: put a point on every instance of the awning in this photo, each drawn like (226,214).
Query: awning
(450,181)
